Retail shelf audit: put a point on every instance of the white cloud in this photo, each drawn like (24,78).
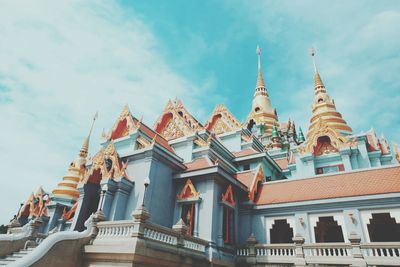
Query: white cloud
(60,61)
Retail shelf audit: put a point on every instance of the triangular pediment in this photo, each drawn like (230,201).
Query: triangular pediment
(124,125)
(188,191)
(323,129)
(106,164)
(176,121)
(222,121)
(227,197)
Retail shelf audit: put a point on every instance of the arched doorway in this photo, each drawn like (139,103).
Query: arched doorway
(383,228)
(281,232)
(328,230)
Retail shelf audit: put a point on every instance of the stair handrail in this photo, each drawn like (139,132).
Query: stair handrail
(43,248)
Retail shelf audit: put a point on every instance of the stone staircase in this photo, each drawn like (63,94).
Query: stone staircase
(13,257)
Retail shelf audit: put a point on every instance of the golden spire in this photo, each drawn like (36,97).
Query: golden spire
(260,80)
(85,146)
(324,107)
(317,78)
(66,191)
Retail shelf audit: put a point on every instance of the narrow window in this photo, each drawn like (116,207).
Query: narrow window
(188,211)
(228,225)
(246,167)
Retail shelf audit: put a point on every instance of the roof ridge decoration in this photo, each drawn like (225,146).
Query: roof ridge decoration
(258,177)
(188,191)
(262,112)
(322,128)
(222,120)
(227,197)
(107,164)
(125,125)
(175,121)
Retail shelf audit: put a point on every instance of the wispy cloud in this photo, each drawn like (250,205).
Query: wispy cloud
(60,61)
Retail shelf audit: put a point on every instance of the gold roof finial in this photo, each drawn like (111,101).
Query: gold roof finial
(260,80)
(317,78)
(85,147)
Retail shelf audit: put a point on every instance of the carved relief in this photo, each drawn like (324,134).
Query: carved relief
(337,141)
(108,163)
(176,121)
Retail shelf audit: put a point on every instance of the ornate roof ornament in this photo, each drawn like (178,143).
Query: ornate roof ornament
(222,121)
(262,112)
(321,129)
(66,191)
(324,106)
(176,121)
(106,164)
(125,125)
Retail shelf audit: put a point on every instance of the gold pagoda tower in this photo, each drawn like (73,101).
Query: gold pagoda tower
(324,107)
(66,191)
(262,112)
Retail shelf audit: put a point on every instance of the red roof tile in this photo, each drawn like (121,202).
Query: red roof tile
(245,152)
(361,183)
(198,164)
(159,139)
(283,163)
(246,177)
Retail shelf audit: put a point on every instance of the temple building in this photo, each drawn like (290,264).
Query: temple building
(225,192)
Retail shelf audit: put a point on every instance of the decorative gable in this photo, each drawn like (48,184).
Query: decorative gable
(125,125)
(255,185)
(227,197)
(317,142)
(222,121)
(188,191)
(106,164)
(176,121)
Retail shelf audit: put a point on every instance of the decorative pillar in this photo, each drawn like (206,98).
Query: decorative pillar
(251,244)
(345,153)
(298,242)
(358,260)
(196,220)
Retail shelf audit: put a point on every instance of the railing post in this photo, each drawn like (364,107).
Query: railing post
(180,228)
(34,226)
(140,216)
(13,224)
(298,242)
(355,240)
(251,244)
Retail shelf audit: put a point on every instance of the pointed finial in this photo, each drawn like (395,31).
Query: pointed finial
(258,52)
(260,80)
(312,53)
(317,78)
(85,147)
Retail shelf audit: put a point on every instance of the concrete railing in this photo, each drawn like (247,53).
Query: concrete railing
(339,254)
(140,228)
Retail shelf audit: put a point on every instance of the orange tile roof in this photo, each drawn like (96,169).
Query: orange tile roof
(283,163)
(246,177)
(245,152)
(361,183)
(198,164)
(159,139)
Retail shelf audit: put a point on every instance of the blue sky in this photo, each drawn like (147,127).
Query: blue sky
(61,61)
